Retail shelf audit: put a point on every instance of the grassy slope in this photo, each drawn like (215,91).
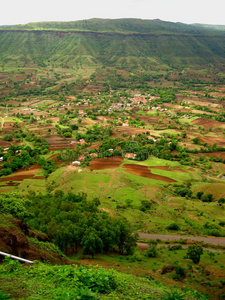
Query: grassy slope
(72,282)
(131,52)
(115,187)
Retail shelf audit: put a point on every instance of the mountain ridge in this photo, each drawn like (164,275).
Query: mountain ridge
(121,25)
(130,44)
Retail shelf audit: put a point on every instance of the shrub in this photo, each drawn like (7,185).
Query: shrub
(183,192)
(221,200)
(222,223)
(97,279)
(173,296)
(137,257)
(173,226)
(145,205)
(179,273)
(194,253)
(67,134)
(4,296)
(195,141)
(8,137)
(199,195)
(152,251)
(175,247)
(213,229)
(74,127)
(207,198)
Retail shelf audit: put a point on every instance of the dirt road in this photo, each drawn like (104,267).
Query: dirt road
(209,240)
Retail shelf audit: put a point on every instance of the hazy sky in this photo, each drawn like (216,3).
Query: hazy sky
(186,11)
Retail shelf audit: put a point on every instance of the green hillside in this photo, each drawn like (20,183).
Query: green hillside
(131,44)
(122,26)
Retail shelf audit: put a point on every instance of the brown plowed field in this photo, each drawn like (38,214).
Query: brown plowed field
(207,123)
(212,140)
(215,154)
(145,172)
(191,170)
(166,168)
(58,143)
(196,111)
(20,175)
(4,144)
(128,130)
(102,163)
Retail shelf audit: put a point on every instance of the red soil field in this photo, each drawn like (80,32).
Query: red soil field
(145,172)
(166,168)
(191,170)
(212,140)
(207,123)
(128,130)
(20,175)
(215,154)
(102,163)
(4,144)
(58,143)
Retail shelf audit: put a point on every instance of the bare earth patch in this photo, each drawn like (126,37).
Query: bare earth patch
(105,163)
(59,143)
(215,154)
(166,168)
(206,123)
(145,172)
(20,175)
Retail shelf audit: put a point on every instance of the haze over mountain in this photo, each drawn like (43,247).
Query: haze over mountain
(132,44)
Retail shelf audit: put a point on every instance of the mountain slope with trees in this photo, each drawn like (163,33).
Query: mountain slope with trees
(130,44)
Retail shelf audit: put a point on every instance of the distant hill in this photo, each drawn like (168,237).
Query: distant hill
(132,44)
(122,26)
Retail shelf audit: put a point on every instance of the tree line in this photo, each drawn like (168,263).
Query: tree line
(72,221)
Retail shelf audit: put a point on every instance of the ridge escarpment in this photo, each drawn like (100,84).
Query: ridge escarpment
(107,33)
(89,49)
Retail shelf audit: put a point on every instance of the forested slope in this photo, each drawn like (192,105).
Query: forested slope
(133,45)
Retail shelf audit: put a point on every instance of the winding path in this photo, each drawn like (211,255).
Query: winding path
(209,240)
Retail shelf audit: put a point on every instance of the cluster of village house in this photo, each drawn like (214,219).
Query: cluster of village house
(137,100)
(95,155)
(124,104)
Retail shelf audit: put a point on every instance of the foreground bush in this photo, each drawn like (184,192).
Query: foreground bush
(72,282)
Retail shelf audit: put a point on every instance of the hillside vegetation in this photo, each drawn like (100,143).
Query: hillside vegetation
(122,26)
(125,44)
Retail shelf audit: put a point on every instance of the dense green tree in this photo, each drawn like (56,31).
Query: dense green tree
(207,197)
(8,137)
(126,241)
(194,253)
(91,243)
(199,194)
